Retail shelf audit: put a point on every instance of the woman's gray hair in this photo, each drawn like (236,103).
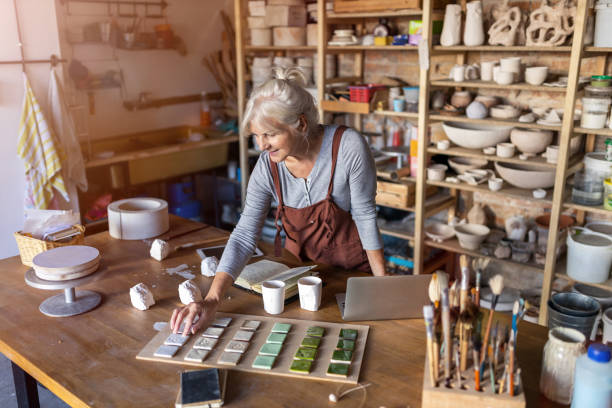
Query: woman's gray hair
(279,102)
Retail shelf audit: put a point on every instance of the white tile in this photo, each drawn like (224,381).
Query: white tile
(229,358)
(166,351)
(176,339)
(250,325)
(222,321)
(197,355)
(215,332)
(205,343)
(243,335)
(237,346)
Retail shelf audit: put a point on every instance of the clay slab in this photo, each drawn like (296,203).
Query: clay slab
(270,349)
(243,335)
(236,346)
(229,358)
(215,332)
(197,355)
(250,325)
(166,351)
(281,328)
(176,340)
(205,343)
(264,362)
(222,321)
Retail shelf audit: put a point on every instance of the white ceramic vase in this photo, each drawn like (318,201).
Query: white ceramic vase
(473,34)
(451,31)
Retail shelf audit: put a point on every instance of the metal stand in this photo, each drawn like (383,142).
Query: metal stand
(71,302)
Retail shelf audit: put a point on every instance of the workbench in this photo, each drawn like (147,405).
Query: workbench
(89,359)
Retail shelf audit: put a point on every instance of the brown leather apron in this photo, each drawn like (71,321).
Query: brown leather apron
(322,232)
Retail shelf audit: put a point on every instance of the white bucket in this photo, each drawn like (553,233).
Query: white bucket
(595,163)
(589,255)
(602,227)
(603,24)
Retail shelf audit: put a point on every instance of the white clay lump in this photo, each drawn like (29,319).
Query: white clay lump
(141,297)
(160,249)
(189,293)
(209,266)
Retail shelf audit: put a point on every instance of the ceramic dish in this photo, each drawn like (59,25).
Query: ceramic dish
(471,235)
(504,112)
(461,164)
(439,232)
(475,136)
(525,175)
(531,140)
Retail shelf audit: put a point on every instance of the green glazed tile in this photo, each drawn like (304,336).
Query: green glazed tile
(281,328)
(305,353)
(301,366)
(270,349)
(312,342)
(342,356)
(338,370)
(315,331)
(264,362)
(348,334)
(278,338)
(345,345)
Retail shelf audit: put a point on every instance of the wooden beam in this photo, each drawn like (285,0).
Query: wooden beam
(321,51)
(243,143)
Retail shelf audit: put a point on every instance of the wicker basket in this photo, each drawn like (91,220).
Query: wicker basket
(30,247)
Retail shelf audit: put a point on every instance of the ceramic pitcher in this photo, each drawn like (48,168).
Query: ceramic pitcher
(563,347)
(451,31)
(473,33)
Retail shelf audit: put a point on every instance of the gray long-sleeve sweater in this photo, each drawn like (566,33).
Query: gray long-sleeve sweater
(354,190)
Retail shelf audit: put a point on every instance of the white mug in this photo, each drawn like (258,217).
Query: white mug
(552,153)
(273,293)
(457,73)
(486,70)
(310,288)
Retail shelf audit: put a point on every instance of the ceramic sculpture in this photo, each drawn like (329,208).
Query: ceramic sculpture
(473,33)
(504,30)
(550,26)
(451,31)
(477,215)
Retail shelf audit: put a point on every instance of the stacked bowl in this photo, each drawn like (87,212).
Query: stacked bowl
(573,310)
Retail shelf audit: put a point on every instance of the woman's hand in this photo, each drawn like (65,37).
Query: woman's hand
(204,312)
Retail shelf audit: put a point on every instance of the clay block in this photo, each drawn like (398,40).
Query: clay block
(256,22)
(243,335)
(342,356)
(237,346)
(264,362)
(176,340)
(281,328)
(250,325)
(285,16)
(205,343)
(197,355)
(270,349)
(345,345)
(222,321)
(286,3)
(166,351)
(301,366)
(229,358)
(312,342)
(214,332)
(289,36)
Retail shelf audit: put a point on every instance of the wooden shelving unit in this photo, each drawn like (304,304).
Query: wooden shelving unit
(556,199)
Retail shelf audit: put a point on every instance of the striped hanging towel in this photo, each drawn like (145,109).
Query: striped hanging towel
(37,147)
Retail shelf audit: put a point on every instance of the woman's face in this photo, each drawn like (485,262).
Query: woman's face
(280,144)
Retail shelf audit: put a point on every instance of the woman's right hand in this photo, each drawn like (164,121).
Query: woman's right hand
(205,312)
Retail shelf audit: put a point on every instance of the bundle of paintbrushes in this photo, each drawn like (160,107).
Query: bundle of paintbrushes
(466,353)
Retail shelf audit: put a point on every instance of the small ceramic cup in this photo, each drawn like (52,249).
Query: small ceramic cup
(457,73)
(443,144)
(536,75)
(495,184)
(436,172)
(505,150)
(505,77)
(511,64)
(486,70)
(489,150)
(552,153)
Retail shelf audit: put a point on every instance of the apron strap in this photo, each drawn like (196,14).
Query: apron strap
(335,148)
(278,246)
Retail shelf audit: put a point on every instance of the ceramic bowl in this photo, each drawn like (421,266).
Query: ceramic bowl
(445,144)
(575,304)
(489,150)
(525,175)
(439,232)
(504,112)
(604,297)
(471,235)
(531,140)
(536,75)
(461,99)
(505,77)
(487,100)
(462,164)
(495,184)
(436,172)
(505,150)
(476,136)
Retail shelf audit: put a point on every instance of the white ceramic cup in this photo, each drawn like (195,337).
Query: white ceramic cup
(607,326)
(495,184)
(552,153)
(505,77)
(310,288)
(496,69)
(443,144)
(511,64)
(536,75)
(273,293)
(505,150)
(486,70)
(458,73)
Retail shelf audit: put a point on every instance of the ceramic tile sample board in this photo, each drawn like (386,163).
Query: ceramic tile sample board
(284,359)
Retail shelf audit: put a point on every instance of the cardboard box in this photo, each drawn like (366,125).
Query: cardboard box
(399,194)
(257,8)
(286,16)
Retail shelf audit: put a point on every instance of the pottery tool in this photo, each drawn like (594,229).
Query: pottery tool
(447,333)
(428,314)
(439,281)
(453,299)
(511,366)
(457,368)
(335,398)
(171,236)
(465,282)
(479,265)
(137,218)
(477,289)
(492,376)
(497,286)
(160,249)
(475,363)
(465,323)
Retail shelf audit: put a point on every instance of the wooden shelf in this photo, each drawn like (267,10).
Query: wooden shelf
(493,121)
(586,208)
(452,245)
(409,115)
(506,190)
(345,107)
(495,85)
(396,233)
(597,49)
(464,152)
(433,204)
(601,132)
(561,272)
(388,13)
(254,48)
(501,48)
(342,48)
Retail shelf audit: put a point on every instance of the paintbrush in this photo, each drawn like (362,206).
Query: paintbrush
(446,329)
(515,312)
(479,265)
(477,288)
(439,281)
(511,366)
(497,286)
(475,353)
(428,314)
(465,282)
(453,299)
(457,368)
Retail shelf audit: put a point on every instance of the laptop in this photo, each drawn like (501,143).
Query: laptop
(384,297)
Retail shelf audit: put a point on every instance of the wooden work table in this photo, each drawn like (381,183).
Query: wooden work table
(89,360)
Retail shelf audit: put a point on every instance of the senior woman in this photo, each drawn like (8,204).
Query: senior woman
(323,179)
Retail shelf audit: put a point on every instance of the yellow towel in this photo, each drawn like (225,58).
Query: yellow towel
(37,147)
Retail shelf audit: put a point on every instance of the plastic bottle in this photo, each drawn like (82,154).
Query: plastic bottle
(593,378)
(205,120)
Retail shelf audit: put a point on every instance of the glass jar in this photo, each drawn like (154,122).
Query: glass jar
(563,347)
(587,189)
